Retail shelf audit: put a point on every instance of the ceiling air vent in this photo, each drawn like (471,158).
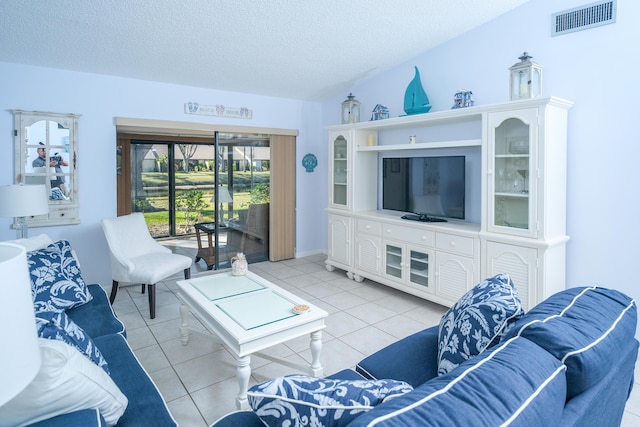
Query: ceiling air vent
(584,17)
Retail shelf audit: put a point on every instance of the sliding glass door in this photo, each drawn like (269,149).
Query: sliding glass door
(173,184)
(246,175)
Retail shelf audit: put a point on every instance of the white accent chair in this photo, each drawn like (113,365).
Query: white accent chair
(137,258)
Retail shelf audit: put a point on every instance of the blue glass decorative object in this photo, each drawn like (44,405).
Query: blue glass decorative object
(309,161)
(416,100)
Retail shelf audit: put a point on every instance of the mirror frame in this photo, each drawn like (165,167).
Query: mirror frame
(64,207)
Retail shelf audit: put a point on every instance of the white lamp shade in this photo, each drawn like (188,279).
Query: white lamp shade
(223,195)
(23,200)
(20,354)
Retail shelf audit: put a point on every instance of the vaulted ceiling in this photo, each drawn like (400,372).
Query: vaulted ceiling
(286,48)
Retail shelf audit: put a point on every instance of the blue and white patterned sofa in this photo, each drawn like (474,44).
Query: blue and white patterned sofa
(569,361)
(70,389)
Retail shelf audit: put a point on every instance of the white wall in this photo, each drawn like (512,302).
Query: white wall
(593,68)
(99,99)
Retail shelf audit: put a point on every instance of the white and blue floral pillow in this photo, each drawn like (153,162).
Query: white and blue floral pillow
(477,321)
(56,281)
(300,400)
(59,326)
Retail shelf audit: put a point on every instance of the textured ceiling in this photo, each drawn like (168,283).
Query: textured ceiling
(287,48)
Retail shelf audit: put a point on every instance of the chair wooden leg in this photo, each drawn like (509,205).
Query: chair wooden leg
(143,287)
(187,273)
(152,301)
(114,291)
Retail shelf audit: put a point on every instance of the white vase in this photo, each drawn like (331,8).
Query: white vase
(239,265)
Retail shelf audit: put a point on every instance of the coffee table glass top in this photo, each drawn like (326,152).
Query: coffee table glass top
(257,308)
(249,303)
(225,286)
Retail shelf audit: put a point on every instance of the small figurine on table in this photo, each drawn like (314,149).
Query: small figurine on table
(239,265)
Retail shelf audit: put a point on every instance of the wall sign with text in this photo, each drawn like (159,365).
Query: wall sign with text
(217,110)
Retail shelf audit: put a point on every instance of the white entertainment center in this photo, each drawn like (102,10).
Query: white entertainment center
(515,201)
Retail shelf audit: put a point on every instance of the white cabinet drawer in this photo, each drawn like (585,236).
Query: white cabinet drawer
(64,215)
(371,227)
(454,244)
(408,234)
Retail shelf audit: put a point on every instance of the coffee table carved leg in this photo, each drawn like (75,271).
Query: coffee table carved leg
(184,326)
(316,348)
(243,372)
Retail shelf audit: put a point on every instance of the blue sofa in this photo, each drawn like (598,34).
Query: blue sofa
(146,405)
(567,362)
(69,389)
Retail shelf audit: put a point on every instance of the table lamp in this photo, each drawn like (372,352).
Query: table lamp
(20,355)
(223,197)
(22,201)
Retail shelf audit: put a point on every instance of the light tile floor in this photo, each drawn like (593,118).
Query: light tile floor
(198,380)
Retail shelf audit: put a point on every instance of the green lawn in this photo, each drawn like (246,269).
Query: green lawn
(155,204)
(241,180)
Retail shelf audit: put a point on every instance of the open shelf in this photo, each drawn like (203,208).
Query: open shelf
(423,145)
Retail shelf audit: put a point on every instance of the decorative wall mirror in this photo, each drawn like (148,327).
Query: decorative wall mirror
(45,153)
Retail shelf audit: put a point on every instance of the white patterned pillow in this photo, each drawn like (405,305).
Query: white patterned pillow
(59,326)
(476,321)
(302,400)
(56,280)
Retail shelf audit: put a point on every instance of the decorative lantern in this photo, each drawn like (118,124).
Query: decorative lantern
(526,79)
(350,110)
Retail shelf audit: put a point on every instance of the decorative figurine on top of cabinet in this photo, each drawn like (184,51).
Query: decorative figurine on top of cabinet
(350,110)
(416,100)
(526,79)
(379,112)
(462,98)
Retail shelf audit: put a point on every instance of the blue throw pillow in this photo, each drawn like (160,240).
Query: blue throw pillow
(58,326)
(302,400)
(56,281)
(476,321)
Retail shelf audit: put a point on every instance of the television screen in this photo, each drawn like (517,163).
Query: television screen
(432,186)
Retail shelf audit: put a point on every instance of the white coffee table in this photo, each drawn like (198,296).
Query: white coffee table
(249,314)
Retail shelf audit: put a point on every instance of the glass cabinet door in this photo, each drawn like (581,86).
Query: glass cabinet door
(419,267)
(408,264)
(339,178)
(393,260)
(511,187)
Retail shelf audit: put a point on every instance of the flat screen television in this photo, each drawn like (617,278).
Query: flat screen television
(427,186)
